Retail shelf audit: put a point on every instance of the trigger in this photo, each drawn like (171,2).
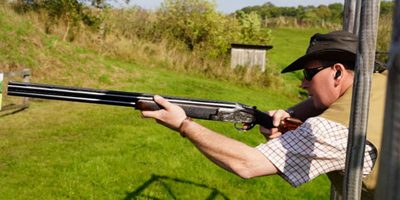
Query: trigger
(251,126)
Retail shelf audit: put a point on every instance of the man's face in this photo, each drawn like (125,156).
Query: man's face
(321,86)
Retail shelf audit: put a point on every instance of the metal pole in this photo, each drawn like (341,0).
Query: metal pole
(360,102)
(388,186)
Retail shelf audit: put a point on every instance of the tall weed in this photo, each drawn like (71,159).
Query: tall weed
(384,35)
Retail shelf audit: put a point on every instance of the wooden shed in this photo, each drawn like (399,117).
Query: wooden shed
(249,55)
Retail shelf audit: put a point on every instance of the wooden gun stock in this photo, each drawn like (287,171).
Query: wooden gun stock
(289,124)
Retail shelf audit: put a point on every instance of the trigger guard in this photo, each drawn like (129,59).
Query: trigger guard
(242,129)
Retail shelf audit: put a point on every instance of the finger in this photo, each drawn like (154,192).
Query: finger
(275,135)
(246,126)
(162,102)
(265,131)
(279,116)
(276,122)
(149,114)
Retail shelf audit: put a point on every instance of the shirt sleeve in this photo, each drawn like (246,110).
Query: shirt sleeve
(316,147)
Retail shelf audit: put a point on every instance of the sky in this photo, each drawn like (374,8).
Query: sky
(230,6)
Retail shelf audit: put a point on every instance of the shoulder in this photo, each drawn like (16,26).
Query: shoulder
(322,123)
(322,128)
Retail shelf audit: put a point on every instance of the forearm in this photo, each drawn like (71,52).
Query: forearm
(306,109)
(229,154)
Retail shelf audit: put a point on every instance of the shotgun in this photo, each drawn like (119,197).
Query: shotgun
(195,108)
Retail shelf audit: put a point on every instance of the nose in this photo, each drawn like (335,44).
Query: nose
(305,84)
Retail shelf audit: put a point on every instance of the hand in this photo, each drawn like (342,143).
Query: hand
(171,116)
(278,116)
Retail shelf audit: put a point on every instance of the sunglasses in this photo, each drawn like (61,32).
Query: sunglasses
(310,73)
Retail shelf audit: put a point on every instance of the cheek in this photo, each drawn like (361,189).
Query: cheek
(325,99)
(322,97)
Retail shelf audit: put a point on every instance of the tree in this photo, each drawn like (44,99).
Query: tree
(251,29)
(386,7)
(67,11)
(198,25)
(323,12)
(337,12)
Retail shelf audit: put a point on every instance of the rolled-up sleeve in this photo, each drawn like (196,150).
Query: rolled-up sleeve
(316,147)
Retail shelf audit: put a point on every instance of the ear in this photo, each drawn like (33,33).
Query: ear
(338,70)
(338,73)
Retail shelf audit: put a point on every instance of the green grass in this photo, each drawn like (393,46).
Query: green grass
(66,150)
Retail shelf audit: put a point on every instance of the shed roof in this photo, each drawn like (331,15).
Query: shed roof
(251,46)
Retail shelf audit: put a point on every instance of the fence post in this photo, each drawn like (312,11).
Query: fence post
(388,186)
(361,97)
(350,24)
(25,73)
(349,15)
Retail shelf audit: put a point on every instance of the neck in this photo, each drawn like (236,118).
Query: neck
(347,82)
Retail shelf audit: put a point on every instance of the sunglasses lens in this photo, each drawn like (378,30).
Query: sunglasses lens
(310,73)
(307,75)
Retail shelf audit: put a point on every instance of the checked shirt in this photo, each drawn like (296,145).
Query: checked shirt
(316,147)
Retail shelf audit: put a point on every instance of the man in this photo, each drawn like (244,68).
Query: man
(316,147)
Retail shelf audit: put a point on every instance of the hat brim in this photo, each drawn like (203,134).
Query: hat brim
(320,55)
(328,55)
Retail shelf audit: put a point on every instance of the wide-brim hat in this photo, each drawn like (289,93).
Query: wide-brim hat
(333,46)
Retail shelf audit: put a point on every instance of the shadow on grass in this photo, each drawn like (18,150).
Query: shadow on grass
(167,182)
(4,113)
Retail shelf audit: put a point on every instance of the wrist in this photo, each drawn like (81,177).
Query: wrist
(184,124)
(290,112)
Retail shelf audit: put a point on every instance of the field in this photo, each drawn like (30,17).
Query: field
(65,150)
(62,150)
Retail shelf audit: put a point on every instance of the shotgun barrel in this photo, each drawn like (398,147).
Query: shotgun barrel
(196,108)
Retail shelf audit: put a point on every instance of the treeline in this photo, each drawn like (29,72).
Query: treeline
(332,13)
(195,23)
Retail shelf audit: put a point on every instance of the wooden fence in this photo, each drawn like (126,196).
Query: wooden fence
(25,73)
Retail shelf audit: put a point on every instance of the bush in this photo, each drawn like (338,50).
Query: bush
(251,31)
(198,25)
(202,28)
